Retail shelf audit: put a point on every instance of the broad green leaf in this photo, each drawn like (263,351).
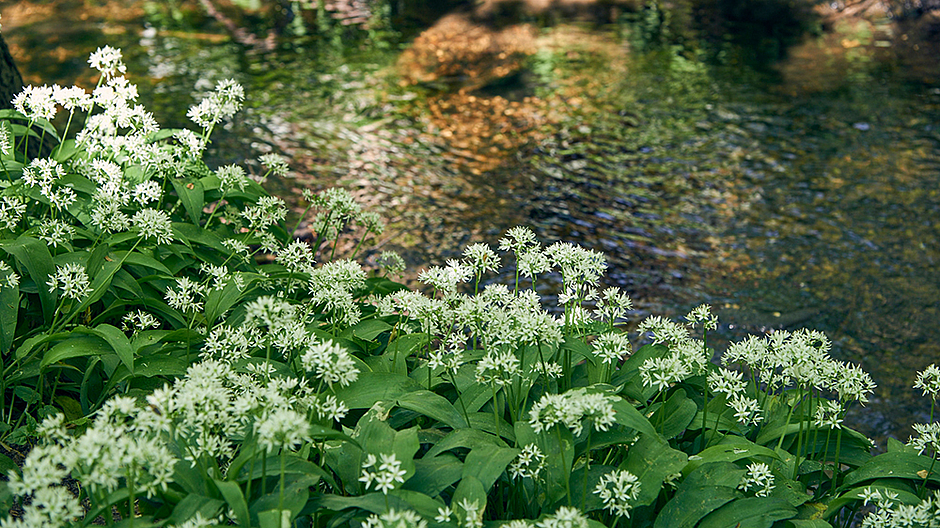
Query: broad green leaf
(372,502)
(627,416)
(652,460)
(487,463)
(119,343)
(233,495)
(465,438)
(855,495)
(895,464)
(190,233)
(807,523)
(558,446)
(434,406)
(195,503)
(136,258)
(690,505)
(274,518)
(714,474)
(434,475)
(77,346)
(368,329)
(373,387)
(192,196)
(738,448)
(578,349)
(752,512)
(470,491)
(33,255)
(220,301)
(672,418)
(9,313)
(296,494)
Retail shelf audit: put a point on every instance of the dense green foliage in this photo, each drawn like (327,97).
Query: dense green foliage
(168,345)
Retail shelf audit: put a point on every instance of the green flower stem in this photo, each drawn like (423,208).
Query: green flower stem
(495,409)
(361,240)
(65,133)
(835,467)
(587,467)
(251,472)
(280,498)
(463,407)
(561,447)
(130,496)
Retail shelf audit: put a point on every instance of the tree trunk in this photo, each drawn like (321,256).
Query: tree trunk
(11,82)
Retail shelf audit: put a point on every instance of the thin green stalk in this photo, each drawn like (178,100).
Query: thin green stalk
(453,380)
(251,472)
(280,498)
(587,467)
(65,132)
(561,448)
(495,409)
(835,467)
(130,495)
(799,436)
(359,244)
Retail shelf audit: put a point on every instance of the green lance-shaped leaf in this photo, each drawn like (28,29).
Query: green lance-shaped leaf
(487,463)
(433,406)
(675,415)
(897,464)
(33,255)
(736,448)
(372,387)
(77,346)
(192,196)
(119,343)
(233,495)
(434,475)
(752,512)
(885,486)
(9,314)
(652,460)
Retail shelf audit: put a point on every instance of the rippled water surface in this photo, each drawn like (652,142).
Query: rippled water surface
(808,198)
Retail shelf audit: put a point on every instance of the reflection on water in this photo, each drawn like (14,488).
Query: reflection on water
(810,202)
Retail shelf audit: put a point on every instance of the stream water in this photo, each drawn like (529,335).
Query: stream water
(809,198)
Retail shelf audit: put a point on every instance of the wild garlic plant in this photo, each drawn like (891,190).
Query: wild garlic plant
(178,353)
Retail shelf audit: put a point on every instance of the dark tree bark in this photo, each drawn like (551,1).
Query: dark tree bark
(11,82)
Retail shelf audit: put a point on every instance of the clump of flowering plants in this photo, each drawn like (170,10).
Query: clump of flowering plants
(150,356)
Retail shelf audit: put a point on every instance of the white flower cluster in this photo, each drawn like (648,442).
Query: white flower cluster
(383,475)
(801,358)
(927,439)
(570,409)
(619,490)
(702,315)
(828,415)
(891,513)
(44,173)
(564,517)
(395,519)
(333,285)
(219,105)
(758,479)
(928,380)
(528,464)
(331,363)
(71,279)
(612,305)
(499,367)
(111,449)
(611,347)
(11,210)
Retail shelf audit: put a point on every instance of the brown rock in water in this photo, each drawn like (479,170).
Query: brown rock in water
(457,53)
